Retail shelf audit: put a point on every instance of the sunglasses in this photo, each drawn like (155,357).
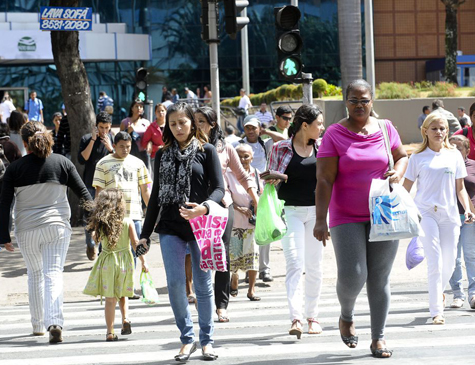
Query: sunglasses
(356,102)
(287,118)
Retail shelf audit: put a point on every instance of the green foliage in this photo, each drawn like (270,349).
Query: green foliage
(472,93)
(319,86)
(332,90)
(395,90)
(423,85)
(443,89)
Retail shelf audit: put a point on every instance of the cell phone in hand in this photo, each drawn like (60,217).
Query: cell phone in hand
(141,250)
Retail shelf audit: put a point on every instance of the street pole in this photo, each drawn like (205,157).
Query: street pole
(246,85)
(368,13)
(307,86)
(213,57)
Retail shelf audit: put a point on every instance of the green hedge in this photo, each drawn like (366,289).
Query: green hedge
(395,90)
(443,89)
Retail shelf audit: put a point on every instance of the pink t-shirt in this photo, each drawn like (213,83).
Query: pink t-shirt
(361,159)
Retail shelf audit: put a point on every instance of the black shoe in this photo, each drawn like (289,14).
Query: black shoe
(266,277)
(185,357)
(55,334)
(209,356)
(135,297)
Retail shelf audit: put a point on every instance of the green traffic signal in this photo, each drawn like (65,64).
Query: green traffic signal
(141,96)
(290,67)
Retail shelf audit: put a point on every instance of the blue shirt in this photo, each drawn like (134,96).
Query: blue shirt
(104,101)
(34,107)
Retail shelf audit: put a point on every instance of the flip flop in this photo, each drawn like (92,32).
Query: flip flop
(111,337)
(234,292)
(253,298)
(378,353)
(221,318)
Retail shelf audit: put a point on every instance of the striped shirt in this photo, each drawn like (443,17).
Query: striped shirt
(127,175)
(265,118)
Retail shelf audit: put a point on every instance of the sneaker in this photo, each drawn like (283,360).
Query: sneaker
(457,303)
(91,252)
(55,334)
(472,302)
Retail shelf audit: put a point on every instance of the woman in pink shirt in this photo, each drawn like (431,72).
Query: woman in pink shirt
(152,139)
(353,153)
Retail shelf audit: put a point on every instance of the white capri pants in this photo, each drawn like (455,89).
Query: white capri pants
(44,250)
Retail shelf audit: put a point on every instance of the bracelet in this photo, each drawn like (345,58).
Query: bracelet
(93,139)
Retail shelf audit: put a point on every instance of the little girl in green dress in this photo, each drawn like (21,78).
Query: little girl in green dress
(113,273)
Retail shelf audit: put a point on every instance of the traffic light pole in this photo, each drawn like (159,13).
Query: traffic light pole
(307,85)
(213,57)
(246,85)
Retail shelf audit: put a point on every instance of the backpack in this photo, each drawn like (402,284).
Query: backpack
(4,163)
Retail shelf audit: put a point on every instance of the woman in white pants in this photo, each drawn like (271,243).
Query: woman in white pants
(39,182)
(440,171)
(297,158)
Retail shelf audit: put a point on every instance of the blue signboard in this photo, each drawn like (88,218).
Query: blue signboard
(68,19)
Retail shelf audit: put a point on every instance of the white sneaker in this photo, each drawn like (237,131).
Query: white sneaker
(457,303)
(472,302)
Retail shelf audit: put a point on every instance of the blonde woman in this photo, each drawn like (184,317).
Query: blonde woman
(440,171)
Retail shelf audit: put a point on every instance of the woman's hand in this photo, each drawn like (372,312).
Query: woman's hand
(144,266)
(130,127)
(9,247)
(273,181)
(149,148)
(394,177)
(143,242)
(320,232)
(469,217)
(194,211)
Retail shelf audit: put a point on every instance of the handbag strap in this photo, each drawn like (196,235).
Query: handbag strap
(384,128)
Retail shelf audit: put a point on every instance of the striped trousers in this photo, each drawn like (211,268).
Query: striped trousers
(44,250)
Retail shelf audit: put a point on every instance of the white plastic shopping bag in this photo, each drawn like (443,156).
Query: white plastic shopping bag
(394,214)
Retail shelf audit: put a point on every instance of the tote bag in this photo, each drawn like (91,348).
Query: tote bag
(393,213)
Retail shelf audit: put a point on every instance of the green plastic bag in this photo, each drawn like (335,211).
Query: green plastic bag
(149,293)
(270,219)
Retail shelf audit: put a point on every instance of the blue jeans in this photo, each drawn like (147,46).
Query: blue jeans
(467,242)
(173,253)
(89,241)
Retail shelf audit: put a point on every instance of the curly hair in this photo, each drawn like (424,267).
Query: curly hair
(39,141)
(107,214)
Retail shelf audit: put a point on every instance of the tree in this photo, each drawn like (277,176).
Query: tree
(75,91)
(451,8)
(349,28)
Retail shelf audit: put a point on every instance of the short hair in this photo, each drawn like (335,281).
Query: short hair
(461,138)
(122,136)
(229,129)
(244,146)
(102,93)
(57,114)
(244,91)
(31,92)
(463,122)
(461,108)
(39,140)
(168,97)
(436,104)
(284,109)
(359,84)
(425,107)
(103,117)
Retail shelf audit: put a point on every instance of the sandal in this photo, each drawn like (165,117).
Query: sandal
(253,298)
(350,341)
(314,327)
(234,292)
(126,328)
(296,329)
(111,337)
(378,353)
(438,319)
(222,318)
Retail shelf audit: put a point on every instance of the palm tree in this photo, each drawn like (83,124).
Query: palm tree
(451,8)
(349,29)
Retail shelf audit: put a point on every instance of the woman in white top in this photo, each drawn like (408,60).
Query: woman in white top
(440,170)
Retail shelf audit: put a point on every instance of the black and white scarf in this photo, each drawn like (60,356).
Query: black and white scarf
(175,173)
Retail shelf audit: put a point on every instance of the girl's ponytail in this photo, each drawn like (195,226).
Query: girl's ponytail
(38,139)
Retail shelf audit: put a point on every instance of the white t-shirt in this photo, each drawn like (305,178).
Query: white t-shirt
(259,157)
(6,109)
(436,173)
(244,102)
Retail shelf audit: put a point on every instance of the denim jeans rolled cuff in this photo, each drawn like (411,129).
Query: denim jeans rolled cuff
(173,253)
(466,244)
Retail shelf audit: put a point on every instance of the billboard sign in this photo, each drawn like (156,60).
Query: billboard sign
(65,19)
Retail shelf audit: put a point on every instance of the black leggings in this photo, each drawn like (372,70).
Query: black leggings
(222,284)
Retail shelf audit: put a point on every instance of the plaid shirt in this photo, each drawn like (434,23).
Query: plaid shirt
(281,155)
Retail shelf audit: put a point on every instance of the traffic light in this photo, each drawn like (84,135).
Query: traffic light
(204,20)
(289,42)
(234,22)
(141,84)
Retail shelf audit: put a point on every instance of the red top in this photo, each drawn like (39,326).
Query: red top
(471,154)
(154,134)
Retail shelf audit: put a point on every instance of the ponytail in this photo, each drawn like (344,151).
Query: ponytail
(37,138)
